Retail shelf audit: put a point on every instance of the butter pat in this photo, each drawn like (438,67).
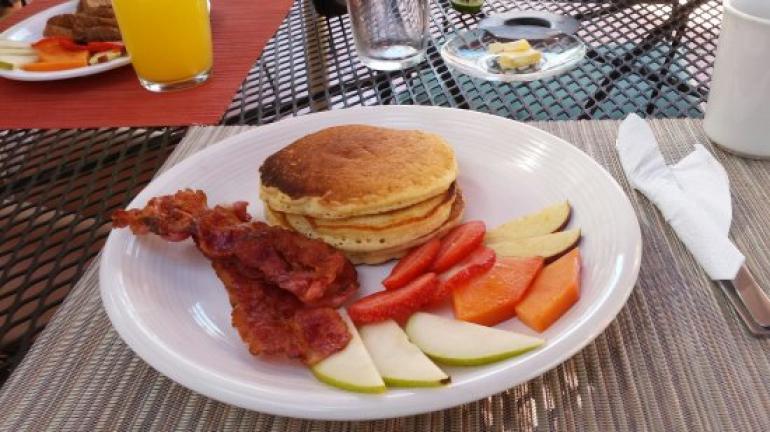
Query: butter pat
(501,47)
(513,60)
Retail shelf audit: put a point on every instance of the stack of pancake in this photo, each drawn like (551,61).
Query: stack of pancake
(373,193)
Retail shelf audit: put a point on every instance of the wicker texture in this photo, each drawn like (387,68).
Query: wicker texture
(676,357)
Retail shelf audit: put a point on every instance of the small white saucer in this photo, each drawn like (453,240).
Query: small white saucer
(468,53)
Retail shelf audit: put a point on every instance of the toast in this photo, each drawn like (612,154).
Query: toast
(88,5)
(92,24)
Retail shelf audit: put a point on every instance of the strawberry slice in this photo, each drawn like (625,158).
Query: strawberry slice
(97,47)
(477,263)
(70,45)
(412,265)
(51,41)
(396,304)
(456,245)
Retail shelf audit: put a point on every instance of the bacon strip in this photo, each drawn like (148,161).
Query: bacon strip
(272,321)
(283,286)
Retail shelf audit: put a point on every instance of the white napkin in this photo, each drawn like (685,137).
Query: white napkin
(693,196)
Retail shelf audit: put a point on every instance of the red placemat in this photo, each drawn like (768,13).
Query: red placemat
(240,28)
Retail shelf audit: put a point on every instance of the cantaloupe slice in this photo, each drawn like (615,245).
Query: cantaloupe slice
(553,292)
(491,298)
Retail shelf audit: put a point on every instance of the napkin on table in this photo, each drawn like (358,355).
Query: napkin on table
(693,196)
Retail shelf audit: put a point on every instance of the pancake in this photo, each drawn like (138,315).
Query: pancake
(380,231)
(381,256)
(276,218)
(385,254)
(354,170)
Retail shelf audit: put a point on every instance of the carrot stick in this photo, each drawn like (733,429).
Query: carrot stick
(53,66)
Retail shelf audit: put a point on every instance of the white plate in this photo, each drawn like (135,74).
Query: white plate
(167,304)
(31,30)
(468,52)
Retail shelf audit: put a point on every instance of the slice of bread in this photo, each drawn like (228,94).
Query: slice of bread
(86,5)
(101,12)
(53,30)
(85,34)
(83,28)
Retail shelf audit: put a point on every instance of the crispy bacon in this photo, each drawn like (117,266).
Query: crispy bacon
(312,270)
(283,286)
(273,321)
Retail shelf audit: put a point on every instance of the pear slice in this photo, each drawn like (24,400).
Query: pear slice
(16,61)
(399,361)
(18,51)
(14,44)
(352,368)
(462,343)
(545,221)
(549,246)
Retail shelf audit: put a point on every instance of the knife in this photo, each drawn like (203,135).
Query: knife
(749,300)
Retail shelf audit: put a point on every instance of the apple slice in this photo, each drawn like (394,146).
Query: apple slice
(461,343)
(399,361)
(549,246)
(545,221)
(352,368)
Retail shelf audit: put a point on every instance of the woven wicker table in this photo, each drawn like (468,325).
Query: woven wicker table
(676,357)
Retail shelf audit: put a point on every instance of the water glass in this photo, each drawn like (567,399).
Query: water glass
(390,34)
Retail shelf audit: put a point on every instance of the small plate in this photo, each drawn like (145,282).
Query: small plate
(468,52)
(31,30)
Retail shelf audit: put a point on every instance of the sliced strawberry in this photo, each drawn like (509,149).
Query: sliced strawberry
(70,45)
(50,41)
(396,304)
(412,265)
(456,245)
(97,47)
(477,263)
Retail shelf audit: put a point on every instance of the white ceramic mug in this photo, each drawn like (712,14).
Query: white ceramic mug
(738,108)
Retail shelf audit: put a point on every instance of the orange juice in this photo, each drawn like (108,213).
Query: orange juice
(169,41)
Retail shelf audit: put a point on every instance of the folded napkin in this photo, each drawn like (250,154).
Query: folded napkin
(693,196)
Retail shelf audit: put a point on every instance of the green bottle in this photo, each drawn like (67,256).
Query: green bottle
(467,6)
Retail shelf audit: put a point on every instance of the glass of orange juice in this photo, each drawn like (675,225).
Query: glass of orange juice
(169,41)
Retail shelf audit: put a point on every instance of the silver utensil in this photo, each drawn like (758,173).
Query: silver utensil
(749,301)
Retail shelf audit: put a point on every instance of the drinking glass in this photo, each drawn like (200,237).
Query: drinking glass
(390,34)
(169,41)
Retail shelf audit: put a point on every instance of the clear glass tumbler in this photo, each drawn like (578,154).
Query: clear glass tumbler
(169,41)
(390,34)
